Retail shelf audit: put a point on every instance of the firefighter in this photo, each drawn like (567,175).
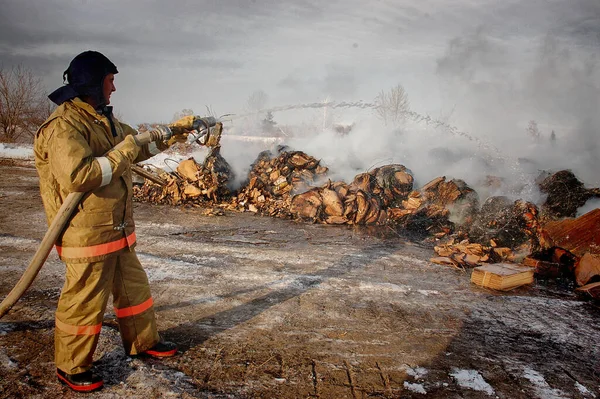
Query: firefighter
(73,153)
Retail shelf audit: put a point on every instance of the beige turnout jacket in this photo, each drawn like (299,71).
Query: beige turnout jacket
(71,156)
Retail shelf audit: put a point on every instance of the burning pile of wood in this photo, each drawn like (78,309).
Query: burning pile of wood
(273,180)
(192,183)
(427,211)
(363,202)
(292,184)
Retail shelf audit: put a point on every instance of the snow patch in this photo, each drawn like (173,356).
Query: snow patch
(384,287)
(200,259)
(265,254)
(17,151)
(541,387)
(158,268)
(6,328)
(471,379)
(6,362)
(417,388)
(416,372)
(583,390)
(428,292)
(410,260)
(12,193)
(162,228)
(18,242)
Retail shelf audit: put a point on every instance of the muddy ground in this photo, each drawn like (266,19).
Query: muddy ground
(268,308)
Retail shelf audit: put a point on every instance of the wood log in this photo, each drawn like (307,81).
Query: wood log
(189,169)
(333,206)
(589,291)
(307,205)
(362,207)
(587,268)
(577,236)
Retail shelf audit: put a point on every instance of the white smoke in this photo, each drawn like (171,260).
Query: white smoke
(518,111)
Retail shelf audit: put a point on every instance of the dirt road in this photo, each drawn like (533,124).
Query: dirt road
(267,308)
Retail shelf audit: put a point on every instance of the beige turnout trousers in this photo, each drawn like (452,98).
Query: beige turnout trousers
(82,304)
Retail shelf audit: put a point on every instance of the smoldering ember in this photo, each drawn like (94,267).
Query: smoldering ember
(289,283)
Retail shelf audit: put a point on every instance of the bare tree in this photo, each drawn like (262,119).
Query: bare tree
(533,130)
(391,106)
(257,100)
(23,104)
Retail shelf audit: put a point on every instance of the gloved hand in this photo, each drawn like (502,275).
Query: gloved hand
(128,148)
(182,127)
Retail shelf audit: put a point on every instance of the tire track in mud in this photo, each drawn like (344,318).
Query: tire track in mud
(338,277)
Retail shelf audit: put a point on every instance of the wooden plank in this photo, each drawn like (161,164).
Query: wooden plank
(577,235)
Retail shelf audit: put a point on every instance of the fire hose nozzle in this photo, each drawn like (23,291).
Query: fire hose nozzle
(204,123)
(202,130)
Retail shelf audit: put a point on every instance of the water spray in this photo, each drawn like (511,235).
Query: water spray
(412,115)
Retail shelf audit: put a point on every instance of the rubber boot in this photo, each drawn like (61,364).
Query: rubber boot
(162,349)
(87,381)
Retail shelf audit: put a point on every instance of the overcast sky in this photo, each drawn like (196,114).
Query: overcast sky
(188,54)
(485,66)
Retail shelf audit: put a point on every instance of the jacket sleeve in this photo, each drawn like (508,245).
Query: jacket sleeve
(146,151)
(73,163)
(71,159)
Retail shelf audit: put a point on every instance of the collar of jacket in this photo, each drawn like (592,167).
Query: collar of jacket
(79,103)
(105,112)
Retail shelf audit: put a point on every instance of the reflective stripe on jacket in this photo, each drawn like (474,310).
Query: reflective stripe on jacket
(70,151)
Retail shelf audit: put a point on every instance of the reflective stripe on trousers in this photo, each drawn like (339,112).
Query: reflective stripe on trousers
(134,310)
(96,250)
(82,304)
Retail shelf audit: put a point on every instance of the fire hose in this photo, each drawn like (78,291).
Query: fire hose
(64,214)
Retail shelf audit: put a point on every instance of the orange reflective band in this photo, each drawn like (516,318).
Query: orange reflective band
(78,330)
(96,250)
(133,310)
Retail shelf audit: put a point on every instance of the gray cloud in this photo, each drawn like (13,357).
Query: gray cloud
(455,59)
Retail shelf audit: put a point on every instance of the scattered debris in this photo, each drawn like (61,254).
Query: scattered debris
(510,224)
(466,254)
(273,179)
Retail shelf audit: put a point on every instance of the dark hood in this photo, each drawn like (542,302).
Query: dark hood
(85,77)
